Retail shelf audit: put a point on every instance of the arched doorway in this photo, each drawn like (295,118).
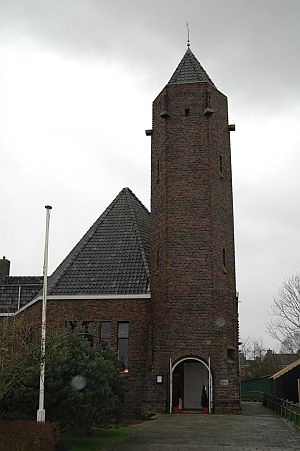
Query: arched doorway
(187,378)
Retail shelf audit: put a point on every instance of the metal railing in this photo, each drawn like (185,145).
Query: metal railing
(285,408)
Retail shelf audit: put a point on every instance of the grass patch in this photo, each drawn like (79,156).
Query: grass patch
(100,438)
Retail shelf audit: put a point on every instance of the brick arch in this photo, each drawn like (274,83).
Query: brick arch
(180,360)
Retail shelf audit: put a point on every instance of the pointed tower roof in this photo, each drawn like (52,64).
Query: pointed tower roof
(189,70)
(112,257)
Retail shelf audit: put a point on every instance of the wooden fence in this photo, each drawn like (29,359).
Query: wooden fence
(285,408)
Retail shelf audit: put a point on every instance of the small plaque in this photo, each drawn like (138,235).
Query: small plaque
(159,379)
(224,382)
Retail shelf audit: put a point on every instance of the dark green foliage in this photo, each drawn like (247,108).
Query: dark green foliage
(82,385)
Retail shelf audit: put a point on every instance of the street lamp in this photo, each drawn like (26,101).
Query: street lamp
(41,412)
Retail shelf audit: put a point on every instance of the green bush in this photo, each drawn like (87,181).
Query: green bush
(82,384)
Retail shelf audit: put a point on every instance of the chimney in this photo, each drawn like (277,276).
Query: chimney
(4,270)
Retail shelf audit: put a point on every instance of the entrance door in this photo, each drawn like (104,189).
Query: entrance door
(195,376)
(187,378)
(192,385)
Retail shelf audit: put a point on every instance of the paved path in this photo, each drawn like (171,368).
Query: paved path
(257,428)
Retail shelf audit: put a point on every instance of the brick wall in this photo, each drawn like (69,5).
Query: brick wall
(4,269)
(136,311)
(193,293)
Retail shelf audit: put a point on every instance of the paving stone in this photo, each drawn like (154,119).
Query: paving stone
(257,428)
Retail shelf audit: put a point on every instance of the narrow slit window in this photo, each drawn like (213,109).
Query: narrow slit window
(123,336)
(105,334)
(224,258)
(207,100)
(230,354)
(157,170)
(187,112)
(221,164)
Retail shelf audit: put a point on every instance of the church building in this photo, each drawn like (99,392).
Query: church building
(159,287)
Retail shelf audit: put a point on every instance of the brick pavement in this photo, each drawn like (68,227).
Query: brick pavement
(257,428)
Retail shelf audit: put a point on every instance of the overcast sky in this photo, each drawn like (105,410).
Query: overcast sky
(77,79)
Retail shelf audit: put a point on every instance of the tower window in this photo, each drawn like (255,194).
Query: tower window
(230,354)
(187,112)
(123,334)
(221,165)
(207,99)
(224,259)
(105,334)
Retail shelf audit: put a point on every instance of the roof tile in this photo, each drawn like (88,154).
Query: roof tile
(189,70)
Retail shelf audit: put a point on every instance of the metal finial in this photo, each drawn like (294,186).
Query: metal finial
(188,34)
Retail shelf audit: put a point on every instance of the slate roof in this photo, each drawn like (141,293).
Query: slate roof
(18,291)
(112,257)
(189,70)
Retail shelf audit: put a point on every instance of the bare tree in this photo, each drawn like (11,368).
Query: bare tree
(17,353)
(285,326)
(256,360)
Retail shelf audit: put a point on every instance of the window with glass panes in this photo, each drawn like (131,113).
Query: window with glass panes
(105,334)
(123,334)
(89,334)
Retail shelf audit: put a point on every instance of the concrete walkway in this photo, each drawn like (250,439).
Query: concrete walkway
(257,428)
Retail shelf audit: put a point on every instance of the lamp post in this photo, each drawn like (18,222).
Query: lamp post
(41,411)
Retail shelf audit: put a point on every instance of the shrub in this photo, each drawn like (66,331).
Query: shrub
(82,384)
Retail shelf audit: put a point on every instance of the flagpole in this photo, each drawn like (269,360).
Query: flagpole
(41,410)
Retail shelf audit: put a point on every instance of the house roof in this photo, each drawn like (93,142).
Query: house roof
(112,257)
(189,70)
(18,291)
(285,370)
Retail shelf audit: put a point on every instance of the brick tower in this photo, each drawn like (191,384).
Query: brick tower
(193,292)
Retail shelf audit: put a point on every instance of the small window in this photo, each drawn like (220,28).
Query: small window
(89,331)
(105,334)
(221,164)
(230,354)
(187,112)
(207,99)
(224,259)
(123,334)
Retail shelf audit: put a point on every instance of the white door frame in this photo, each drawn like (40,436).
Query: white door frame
(210,385)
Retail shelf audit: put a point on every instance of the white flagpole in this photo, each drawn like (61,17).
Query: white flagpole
(41,412)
